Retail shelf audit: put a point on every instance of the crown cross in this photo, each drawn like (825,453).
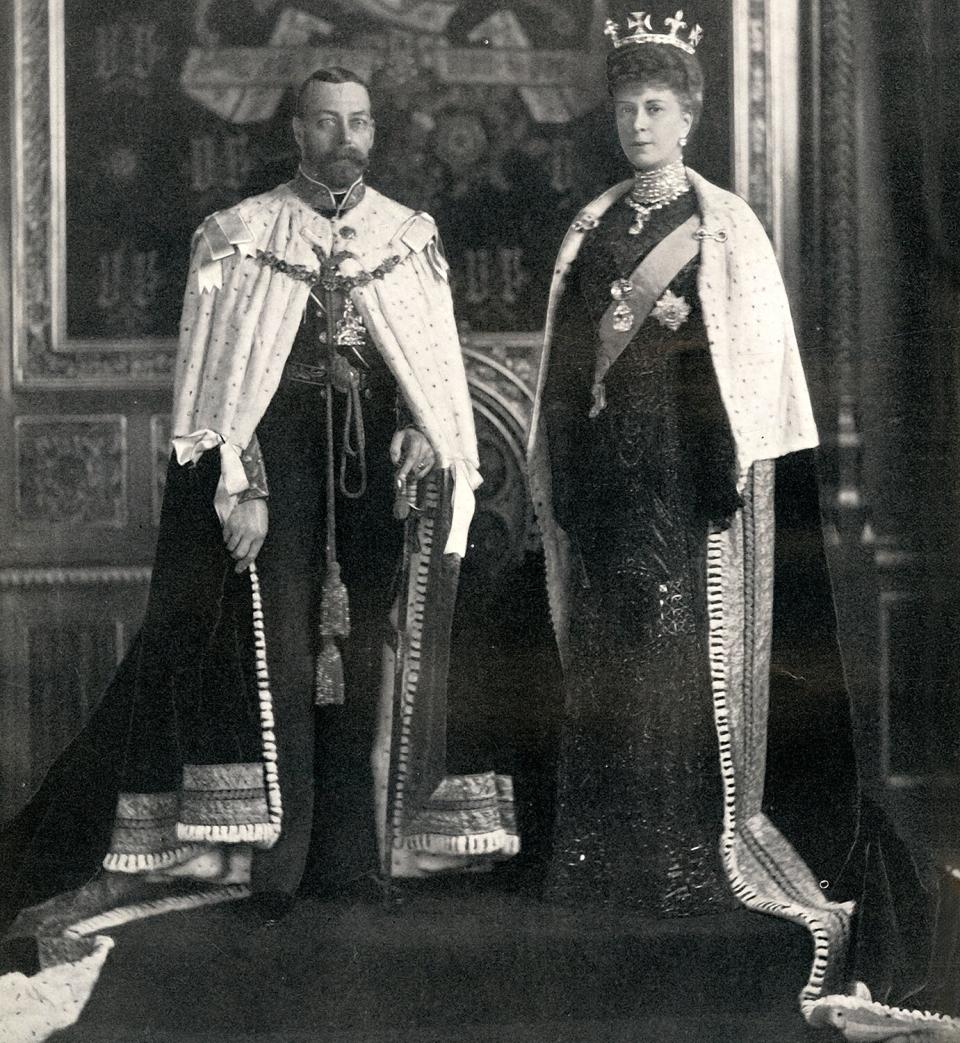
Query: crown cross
(641,31)
(639,20)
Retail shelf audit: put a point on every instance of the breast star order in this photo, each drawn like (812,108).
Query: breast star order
(671,311)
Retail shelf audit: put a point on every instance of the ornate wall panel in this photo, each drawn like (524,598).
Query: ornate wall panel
(765,88)
(875,333)
(56,657)
(39,355)
(71,470)
(502,374)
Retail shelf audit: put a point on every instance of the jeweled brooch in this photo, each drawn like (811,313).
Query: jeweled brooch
(585,222)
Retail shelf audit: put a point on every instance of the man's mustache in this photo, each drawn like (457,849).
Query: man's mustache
(348,154)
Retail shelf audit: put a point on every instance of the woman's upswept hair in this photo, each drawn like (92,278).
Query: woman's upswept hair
(662,64)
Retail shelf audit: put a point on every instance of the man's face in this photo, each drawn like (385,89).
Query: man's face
(334,132)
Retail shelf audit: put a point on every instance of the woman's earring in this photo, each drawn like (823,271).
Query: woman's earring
(682,142)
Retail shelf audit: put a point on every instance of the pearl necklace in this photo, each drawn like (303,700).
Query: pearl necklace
(654,189)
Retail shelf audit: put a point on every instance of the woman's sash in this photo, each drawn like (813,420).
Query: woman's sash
(649,280)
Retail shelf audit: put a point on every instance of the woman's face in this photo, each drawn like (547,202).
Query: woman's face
(650,123)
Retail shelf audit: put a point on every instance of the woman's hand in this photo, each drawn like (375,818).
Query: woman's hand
(244,532)
(412,454)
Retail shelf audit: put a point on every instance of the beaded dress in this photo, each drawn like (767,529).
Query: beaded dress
(639,802)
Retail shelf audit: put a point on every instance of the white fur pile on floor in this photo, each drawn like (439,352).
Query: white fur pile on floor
(32,1009)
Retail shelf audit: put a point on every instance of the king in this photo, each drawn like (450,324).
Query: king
(320,394)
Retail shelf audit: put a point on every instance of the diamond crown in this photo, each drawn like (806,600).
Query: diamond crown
(641,31)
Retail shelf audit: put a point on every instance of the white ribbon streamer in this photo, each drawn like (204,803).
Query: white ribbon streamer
(466,478)
(233,478)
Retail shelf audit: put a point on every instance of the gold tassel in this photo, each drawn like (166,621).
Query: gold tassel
(334,623)
(329,679)
(334,604)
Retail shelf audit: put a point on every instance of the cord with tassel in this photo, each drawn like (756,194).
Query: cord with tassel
(334,601)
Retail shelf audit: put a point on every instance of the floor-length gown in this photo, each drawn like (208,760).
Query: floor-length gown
(639,802)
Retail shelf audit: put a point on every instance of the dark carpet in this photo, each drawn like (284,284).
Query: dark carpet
(459,962)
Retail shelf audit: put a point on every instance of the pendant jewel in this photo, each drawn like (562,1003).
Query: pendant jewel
(351,331)
(623,318)
(640,217)
(654,189)
(598,399)
(620,289)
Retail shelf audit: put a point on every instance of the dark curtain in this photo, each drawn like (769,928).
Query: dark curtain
(882,328)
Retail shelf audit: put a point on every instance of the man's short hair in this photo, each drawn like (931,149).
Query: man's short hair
(335,74)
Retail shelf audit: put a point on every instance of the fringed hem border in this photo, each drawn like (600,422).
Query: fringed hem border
(171,904)
(265,702)
(407,673)
(738,882)
(143,862)
(261,833)
(836,1011)
(497,842)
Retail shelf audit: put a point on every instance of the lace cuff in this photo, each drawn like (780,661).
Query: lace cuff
(253,467)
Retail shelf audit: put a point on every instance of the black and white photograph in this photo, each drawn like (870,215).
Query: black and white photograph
(480,511)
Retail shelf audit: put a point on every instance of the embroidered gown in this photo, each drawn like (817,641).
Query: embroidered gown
(639,804)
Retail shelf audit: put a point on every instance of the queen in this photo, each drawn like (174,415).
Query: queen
(670,383)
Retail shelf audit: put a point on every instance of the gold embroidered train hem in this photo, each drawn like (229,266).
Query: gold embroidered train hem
(217,804)
(467,815)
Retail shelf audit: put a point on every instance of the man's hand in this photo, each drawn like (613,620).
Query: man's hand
(244,532)
(412,454)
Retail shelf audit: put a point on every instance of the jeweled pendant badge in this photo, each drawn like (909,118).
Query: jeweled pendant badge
(623,318)
(350,328)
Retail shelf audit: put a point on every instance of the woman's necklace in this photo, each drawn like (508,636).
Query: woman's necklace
(654,189)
